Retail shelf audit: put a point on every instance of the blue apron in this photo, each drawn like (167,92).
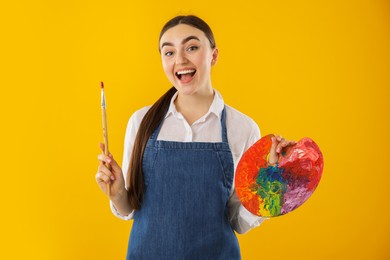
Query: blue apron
(184,212)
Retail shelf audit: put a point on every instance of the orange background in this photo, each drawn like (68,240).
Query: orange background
(298,68)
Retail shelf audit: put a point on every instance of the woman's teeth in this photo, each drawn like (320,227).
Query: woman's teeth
(184,72)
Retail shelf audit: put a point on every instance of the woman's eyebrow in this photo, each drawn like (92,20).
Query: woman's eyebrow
(192,37)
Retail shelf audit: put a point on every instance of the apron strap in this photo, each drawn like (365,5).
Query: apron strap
(223,125)
(157,131)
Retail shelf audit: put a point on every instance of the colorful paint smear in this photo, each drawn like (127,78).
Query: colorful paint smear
(271,191)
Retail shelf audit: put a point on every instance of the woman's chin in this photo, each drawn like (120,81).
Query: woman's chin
(187,89)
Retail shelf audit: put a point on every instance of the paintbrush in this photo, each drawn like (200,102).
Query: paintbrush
(105,134)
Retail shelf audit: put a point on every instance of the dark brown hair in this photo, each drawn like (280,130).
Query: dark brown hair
(153,118)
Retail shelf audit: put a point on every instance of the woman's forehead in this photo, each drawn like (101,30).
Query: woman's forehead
(178,33)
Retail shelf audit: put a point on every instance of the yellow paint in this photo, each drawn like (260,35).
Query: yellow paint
(329,58)
(263,211)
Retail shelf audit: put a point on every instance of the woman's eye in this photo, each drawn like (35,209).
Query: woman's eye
(192,48)
(168,53)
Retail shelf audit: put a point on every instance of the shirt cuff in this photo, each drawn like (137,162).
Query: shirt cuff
(116,213)
(248,220)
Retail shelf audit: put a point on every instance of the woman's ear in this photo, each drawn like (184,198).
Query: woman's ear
(215,56)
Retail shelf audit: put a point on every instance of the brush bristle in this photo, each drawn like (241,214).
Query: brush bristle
(101,84)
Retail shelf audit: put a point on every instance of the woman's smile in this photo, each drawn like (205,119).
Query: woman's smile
(185,75)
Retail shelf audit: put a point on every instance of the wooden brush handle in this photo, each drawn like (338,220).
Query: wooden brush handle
(106,152)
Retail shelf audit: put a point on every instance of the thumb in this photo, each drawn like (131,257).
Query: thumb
(273,156)
(114,165)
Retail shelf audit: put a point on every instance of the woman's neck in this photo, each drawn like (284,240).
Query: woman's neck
(194,106)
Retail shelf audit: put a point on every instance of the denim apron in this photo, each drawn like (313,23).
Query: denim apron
(184,210)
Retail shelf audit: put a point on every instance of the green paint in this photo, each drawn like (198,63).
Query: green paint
(270,187)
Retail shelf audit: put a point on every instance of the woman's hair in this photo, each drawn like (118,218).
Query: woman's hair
(193,21)
(154,116)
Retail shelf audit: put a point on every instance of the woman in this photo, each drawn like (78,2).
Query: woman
(180,157)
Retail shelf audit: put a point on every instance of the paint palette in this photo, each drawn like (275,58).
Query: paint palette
(271,191)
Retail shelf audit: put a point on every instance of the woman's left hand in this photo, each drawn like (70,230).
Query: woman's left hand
(278,144)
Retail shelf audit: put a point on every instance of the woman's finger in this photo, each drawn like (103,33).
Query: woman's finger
(114,165)
(104,158)
(280,145)
(103,168)
(284,144)
(113,173)
(291,143)
(111,161)
(101,177)
(102,147)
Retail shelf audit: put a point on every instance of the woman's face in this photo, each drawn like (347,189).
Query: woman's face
(187,59)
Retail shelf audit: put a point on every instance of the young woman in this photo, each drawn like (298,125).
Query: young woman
(180,157)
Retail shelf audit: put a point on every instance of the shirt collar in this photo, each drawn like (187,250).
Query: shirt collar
(216,106)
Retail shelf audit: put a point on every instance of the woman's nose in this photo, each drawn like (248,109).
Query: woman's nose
(181,58)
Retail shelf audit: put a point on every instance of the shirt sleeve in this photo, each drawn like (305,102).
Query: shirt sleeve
(116,213)
(240,218)
(131,132)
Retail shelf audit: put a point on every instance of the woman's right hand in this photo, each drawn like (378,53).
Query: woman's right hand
(113,176)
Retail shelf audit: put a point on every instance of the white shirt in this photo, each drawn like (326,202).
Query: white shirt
(242,132)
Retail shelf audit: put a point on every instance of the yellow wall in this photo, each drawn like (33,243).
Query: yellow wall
(299,68)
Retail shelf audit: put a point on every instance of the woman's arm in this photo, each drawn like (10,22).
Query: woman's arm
(120,205)
(240,218)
